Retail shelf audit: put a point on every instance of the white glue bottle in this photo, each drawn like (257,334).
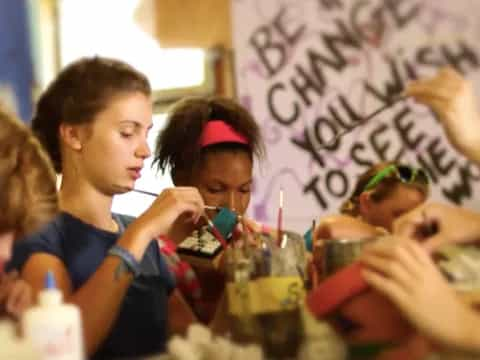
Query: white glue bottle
(52,327)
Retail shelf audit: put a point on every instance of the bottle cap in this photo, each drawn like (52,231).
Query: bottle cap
(50,295)
(50,280)
(308,237)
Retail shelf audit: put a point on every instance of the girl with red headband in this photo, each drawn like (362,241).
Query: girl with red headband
(210,144)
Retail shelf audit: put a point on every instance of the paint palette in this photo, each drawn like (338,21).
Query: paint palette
(201,244)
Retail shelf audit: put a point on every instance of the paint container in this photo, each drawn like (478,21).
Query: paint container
(339,253)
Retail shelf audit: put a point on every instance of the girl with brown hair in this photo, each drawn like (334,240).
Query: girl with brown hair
(93,120)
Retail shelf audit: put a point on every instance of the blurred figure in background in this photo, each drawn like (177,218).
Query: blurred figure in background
(404,270)
(451,97)
(28,200)
(385,192)
(382,194)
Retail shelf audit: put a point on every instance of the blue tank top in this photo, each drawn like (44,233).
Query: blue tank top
(141,325)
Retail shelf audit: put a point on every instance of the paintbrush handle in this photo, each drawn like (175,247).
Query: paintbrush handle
(206,207)
(209,207)
(279,226)
(216,233)
(145,192)
(362,121)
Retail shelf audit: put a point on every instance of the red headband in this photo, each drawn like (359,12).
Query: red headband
(217,131)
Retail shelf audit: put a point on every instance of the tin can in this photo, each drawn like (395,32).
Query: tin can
(338,253)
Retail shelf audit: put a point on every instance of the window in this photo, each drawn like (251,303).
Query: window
(91,27)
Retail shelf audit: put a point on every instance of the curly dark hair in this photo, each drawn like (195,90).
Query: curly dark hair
(177,146)
(79,92)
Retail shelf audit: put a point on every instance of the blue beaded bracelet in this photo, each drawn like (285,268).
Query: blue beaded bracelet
(127,258)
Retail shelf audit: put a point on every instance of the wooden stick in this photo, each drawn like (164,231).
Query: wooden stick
(280,218)
(206,207)
(216,233)
(362,121)
(145,192)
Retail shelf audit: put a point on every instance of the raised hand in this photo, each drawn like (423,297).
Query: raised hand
(438,224)
(404,272)
(15,294)
(451,97)
(160,216)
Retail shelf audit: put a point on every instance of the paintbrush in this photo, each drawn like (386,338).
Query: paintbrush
(145,192)
(280,218)
(206,207)
(392,102)
(215,232)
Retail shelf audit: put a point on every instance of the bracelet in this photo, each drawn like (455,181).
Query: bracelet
(127,258)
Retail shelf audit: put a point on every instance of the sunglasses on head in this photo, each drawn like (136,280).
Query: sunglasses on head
(404,173)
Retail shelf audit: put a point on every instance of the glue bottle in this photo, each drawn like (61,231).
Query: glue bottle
(53,327)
